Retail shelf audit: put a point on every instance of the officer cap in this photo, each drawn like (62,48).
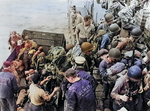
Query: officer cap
(114,53)
(114,28)
(101,32)
(108,17)
(135,72)
(136,32)
(102,52)
(79,60)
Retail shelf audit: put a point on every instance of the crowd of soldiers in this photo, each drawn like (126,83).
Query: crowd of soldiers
(66,74)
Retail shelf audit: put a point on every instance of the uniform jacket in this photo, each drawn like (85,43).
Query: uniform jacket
(80,97)
(8,85)
(82,74)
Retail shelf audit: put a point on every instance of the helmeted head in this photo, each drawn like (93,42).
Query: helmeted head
(79,60)
(87,47)
(101,32)
(135,72)
(114,28)
(109,17)
(6,64)
(136,32)
(114,53)
(69,46)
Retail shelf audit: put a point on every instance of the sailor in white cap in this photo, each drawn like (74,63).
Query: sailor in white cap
(80,63)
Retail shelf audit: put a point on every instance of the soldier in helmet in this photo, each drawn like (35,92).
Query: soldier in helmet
(113,55)
(107,38)
(86,49)
(127,90)
(109,20)
(130,43)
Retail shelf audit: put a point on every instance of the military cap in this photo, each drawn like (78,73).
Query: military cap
(108,17)
(6,64)
(79,60)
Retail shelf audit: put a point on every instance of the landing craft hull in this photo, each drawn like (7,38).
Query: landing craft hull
(44,39)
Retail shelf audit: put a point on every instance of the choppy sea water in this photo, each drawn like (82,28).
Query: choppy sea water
(42,15)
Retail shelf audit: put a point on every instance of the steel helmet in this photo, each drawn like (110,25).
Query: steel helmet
(136,32)
(135,72)
(69,46)
(101,32)
(109,17)
(114,28)
(114,53)
(86,46)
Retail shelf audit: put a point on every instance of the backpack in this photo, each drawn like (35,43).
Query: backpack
(54,53)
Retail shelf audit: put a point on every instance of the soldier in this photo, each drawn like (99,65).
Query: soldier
(87,48)
(102,54)
(80,62)
(113,55)
(126,91)
(37,95)
(80,96)
(85,31)
(107,38)
(105,26)
(130,43)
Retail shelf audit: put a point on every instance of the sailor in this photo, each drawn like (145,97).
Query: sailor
(80,62)
(80,96)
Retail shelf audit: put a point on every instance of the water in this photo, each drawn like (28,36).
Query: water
(41,15)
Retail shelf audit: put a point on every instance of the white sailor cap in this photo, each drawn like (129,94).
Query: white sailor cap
(79,60)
